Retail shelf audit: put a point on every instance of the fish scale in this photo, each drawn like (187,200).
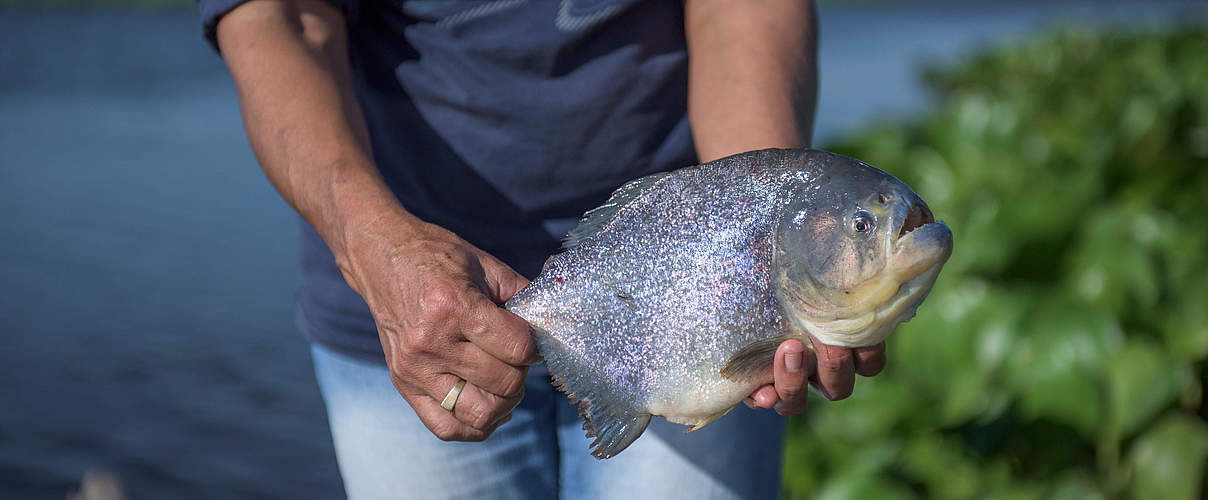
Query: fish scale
(659,289)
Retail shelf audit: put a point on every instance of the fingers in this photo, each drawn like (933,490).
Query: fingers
(869,360)
(836,370)
(442,423)
(436,301)
(445,425)
(503,335)
(791,368)
(480,409)
(488,373)
(502,281)
(763,397)
(831,370)
(476,413)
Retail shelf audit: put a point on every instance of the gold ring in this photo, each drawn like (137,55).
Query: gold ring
(451,398)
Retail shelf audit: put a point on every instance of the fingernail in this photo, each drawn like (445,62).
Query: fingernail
(792,361)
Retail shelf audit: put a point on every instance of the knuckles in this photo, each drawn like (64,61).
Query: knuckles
(446,431)
(440,303)
(419,340)
(790,393)
(439,307)
(511,384)
(476,330)
(836,361)
(835,371)
(481,418)
(523,349)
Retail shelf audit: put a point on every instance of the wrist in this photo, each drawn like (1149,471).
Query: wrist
(358,213)
(368,224)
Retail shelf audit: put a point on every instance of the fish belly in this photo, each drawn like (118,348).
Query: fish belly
(698,402)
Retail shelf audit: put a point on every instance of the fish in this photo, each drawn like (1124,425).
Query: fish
(671,298)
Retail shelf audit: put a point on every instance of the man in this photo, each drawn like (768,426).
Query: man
(436,148)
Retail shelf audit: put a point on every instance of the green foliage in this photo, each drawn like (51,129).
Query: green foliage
(1063,351)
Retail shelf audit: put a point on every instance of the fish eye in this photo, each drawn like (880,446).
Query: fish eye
(863,222)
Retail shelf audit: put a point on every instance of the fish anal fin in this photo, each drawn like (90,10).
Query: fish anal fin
(711,418)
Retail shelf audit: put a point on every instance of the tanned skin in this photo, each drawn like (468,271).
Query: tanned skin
(435,297)
(753,84)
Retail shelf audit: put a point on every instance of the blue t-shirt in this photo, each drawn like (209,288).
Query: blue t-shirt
(502,121)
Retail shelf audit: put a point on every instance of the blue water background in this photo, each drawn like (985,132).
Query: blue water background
(147,268)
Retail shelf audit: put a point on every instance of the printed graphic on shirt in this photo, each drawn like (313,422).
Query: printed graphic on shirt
(571,15)
(478,12)
(575,15)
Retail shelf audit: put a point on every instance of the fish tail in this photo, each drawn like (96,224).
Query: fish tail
(615,425)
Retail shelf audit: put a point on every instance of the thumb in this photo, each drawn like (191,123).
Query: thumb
(502,281)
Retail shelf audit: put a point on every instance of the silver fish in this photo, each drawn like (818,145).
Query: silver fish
(672,297)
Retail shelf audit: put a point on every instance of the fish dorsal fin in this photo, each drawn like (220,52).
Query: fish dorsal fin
(756,359)
(612,421)
(595,219)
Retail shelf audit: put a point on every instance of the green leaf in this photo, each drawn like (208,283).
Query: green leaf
(1142,381)
(1168,461)
(858,487)
(1056,369)
(943,466)
(1186,329)
(1075,485)
(873,409)
(1072,315)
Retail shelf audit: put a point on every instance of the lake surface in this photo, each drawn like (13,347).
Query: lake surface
(148,267)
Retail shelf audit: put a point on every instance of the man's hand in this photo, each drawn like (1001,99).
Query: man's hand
(753,84)
(829,369)
(435,297)
(436,301)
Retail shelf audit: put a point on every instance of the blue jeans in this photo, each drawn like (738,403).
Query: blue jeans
(384,451)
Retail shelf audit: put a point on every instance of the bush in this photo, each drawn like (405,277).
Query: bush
(1062,352)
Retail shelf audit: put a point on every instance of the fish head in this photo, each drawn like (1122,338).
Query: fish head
(856,252)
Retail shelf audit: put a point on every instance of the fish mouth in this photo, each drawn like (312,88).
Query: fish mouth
(922,242)
(917,216)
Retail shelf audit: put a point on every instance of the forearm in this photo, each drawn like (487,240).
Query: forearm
(752,84)
(290,65)
(752,74)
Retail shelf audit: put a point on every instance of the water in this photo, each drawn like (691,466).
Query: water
(148,268)
(148,273)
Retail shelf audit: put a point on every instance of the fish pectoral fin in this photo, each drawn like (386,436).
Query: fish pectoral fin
(756,359)
(710,418)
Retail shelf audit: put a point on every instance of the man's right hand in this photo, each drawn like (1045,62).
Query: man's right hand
(435,297)
(436,300)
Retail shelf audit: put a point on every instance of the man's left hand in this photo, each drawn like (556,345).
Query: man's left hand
(830,369)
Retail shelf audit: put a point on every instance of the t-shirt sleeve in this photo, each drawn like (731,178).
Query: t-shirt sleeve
(213,10)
